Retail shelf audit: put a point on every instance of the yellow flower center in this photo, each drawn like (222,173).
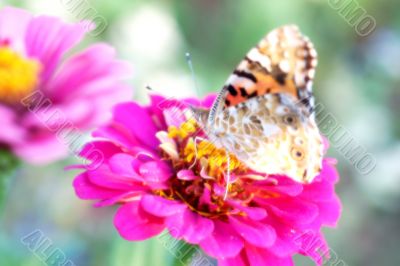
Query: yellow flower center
(214,160)
(186,147)
(19,76)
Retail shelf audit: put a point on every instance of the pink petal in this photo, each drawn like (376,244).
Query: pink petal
(208,100)
(314,245)
(319,191)
(329,172)
(98,72)
(224,242)
(254,213)
(187,175)
(256,233)
(161,207)
(135,225)
(117,134)
(122,164)
(293,211)
(285,186)
(11,132)
(190,226)
(105,148)
(154,108)
(48,39)
(257,256)
(329,212)
(75,114)
(286,242)
(102,176)
(36,150)
(85,189)
(155,171)
(13,24)
(119,198)
(174,116)
(138,121)
(239,260)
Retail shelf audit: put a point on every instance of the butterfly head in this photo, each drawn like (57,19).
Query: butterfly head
(200,115)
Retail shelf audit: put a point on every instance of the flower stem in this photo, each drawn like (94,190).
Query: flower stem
(183,254)
(187,255)
(8,166)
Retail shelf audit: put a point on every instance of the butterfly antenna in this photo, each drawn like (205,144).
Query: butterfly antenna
(190,64)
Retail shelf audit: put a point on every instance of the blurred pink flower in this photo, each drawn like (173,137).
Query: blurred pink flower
(45,91)
(150,171)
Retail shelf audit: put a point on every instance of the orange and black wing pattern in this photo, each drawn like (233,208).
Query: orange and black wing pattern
(282,62)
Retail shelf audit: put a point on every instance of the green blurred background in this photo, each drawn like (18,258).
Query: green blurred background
(357,80)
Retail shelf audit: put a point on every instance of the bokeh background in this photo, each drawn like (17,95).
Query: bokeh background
(357,80)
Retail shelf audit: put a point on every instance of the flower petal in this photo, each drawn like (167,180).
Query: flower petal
(257,256)
(319,191)
(190,226)
(254,213)
(294,211)
(329,212)
(31,150)
(155,171)
(239,260)
(122,164)
(134,224)
(11,132)
(102,176)
(187,175)
(138,121)
(85,189)
(48,39)
(256,233)
(13,24)
(224,242)
(98,71)
(161,207)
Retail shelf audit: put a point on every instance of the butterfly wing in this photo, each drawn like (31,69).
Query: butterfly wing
(283,62)
(250,115)
(279,138)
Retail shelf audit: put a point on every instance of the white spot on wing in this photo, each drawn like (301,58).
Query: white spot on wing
(244,82)
(256,56)
(284,66)
(253,105)
(270,130)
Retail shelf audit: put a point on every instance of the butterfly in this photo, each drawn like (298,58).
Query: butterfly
(264,113)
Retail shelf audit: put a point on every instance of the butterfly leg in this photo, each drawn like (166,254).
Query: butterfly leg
(228,173)
(197,138)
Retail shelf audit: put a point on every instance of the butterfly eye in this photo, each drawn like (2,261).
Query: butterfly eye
(297,154)
(289,119)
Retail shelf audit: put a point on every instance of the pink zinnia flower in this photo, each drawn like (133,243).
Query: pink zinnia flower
(150,170)
(44,91)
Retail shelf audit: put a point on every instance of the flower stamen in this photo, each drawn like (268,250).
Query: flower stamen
(209,163)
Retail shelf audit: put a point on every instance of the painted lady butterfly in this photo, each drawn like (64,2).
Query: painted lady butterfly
(264,113)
